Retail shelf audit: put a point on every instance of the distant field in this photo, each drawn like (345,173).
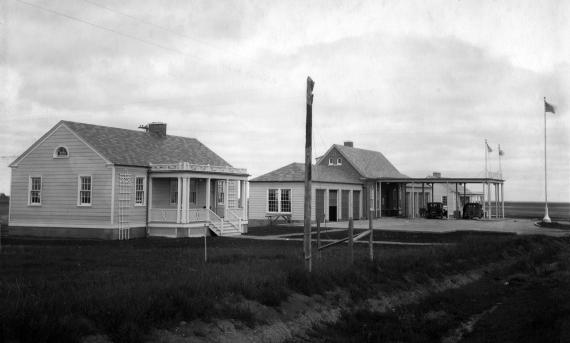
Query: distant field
(519,209)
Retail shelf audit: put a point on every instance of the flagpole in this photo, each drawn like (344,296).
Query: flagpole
(485,183)
(546,218)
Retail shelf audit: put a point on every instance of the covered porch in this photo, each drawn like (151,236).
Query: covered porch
(189,200)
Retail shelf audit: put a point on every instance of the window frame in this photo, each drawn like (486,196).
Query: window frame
(143,191)
(173,192)
(55,154)
(79,190)
(30,185)
(331,161)
(444,200)
(279,200)
(339,161)
(220,196)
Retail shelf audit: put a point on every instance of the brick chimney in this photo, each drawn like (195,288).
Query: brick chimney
(349,144)
(158,129)
(437,175)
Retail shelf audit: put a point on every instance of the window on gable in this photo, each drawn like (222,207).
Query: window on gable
(35,190)
(85,188)
(331,161)
(61,152)
(139,190)
(339,161)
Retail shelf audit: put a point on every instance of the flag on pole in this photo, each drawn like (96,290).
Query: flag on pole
(488,147)
(549,107)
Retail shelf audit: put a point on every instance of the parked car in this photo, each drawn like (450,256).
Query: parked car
(472,210)
(435,210)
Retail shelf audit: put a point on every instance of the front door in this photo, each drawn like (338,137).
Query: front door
(333,195)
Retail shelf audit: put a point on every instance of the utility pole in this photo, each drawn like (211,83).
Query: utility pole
(308,148)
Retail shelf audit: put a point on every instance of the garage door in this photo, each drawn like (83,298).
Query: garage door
(356,204)
(320,204)
(344,198)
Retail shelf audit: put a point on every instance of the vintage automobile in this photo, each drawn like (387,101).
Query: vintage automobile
(472,210)
(435,210)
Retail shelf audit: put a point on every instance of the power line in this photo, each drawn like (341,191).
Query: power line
(93,3)
(165,29)
(255,74)
(104,28)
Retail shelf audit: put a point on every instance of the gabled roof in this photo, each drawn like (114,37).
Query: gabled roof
(139,148)
(369,164)
(295,172)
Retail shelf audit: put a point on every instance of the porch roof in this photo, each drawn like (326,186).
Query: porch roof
(197,168)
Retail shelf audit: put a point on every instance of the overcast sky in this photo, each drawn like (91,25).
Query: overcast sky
(424,82)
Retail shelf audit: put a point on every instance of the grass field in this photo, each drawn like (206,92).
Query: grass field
(62,291)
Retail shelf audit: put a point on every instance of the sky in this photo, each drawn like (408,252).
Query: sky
(423,82)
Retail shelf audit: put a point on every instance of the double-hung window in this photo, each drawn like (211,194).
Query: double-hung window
(279,200)
(139,190)
(173,191)
(35,190)
(85,188)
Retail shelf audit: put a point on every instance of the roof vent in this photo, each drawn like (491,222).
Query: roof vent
(349,144)
(158,129)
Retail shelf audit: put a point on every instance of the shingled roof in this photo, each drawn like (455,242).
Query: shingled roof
(369,164)
(139,148)
(295,172)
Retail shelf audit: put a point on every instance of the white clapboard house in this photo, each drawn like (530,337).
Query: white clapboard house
(91,181)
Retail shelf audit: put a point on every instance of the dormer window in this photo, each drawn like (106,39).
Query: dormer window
(61,152)
(339,161)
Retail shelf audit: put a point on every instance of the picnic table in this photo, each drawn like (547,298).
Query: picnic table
(273,218)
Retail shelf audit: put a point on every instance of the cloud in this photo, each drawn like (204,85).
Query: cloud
(423,83)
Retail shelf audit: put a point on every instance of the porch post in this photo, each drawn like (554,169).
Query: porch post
(208,202)
(226,189)
(244,199)
(184,204)
(188,200)
(178,198)
(149,197)
(503,200)
(379,199)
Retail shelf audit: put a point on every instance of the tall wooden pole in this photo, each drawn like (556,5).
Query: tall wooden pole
(370,226)
(546,218)
(308,148)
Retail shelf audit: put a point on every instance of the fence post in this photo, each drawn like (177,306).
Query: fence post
(351,240)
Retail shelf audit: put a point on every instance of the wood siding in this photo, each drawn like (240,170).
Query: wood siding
(134,214)
(59,193)
(258,197)
(346,166)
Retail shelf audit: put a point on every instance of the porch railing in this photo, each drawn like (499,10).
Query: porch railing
(165,215)
(197,215)
(216,222)
(233,218)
